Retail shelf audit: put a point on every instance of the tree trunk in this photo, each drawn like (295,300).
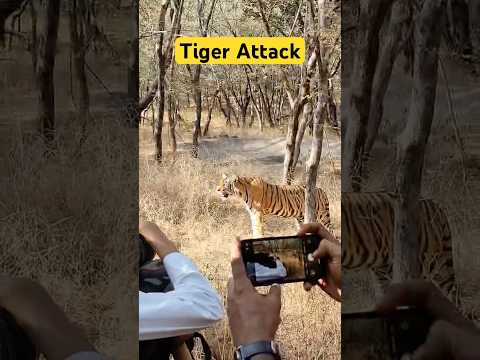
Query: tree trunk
(197,96)
(474,20)
(252,117)
(413,140)
(224,111)
(458,29)
(357,102)
(314,160)
(154,123)
(164,59)
(390,49)
(306,120)
(203,23)
(211,106)
(172,111)
(172,115)
(44,52)
(297,108)
(147,99)
(160,95)
(160,113)
(265,108)
(288,170)
(133,64)
(81,95)
(258,113)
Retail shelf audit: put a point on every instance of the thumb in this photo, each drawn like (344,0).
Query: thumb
(275,293)
(321,253)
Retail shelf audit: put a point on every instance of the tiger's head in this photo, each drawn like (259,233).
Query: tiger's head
(227,186)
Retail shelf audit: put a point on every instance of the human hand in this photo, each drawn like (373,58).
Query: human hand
(450,337)
(43,321)
(157,239)
(329,252)
(252,316)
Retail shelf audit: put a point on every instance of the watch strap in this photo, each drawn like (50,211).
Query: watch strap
(246,352)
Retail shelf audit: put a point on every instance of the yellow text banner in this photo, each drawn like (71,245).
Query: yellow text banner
(240,50)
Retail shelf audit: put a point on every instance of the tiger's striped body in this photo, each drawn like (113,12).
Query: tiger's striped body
(262,198)
(368,232)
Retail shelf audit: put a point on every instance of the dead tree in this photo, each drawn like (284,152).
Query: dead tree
(299,100)
(319,117)
(133,62)
(371,17)
(314,160)
(147,99)
(164,59)
(45,19)
(225,112)
(297,105)
(256,106)
(229,110)
(203,23)
(457,30)
(172,112)
(474,20)
(210,105)
(78,37)
(398,30)
(413,140)
(242,98)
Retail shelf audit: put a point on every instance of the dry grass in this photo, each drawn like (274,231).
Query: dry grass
(179,196)
(63,224)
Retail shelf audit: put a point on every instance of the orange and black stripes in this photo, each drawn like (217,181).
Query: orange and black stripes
(368,231)
(286,201)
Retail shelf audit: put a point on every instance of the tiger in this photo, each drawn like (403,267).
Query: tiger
(262,198)
(368,221)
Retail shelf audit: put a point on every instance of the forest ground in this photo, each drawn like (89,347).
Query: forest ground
(180,197)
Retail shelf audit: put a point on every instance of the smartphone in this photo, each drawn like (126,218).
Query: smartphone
(369,335)
(279,260)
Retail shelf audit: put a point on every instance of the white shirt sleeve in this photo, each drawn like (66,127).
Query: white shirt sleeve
(192,306)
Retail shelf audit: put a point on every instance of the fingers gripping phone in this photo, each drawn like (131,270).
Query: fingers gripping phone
(279,260)
(370,335)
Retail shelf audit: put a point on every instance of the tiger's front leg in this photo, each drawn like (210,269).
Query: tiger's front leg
(257,220)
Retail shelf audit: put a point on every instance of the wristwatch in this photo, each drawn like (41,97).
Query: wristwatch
(246,352)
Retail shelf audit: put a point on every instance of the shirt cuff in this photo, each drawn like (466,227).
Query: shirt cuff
(87,355)
(177,265)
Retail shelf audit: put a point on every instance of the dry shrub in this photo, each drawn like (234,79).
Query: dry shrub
(65,222)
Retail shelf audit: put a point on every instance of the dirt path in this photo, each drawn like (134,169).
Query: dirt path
(234,148)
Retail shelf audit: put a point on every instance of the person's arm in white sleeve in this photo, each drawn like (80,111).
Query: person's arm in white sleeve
(192,305)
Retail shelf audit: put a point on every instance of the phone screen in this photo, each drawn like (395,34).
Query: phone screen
(278,260)
(370,335)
